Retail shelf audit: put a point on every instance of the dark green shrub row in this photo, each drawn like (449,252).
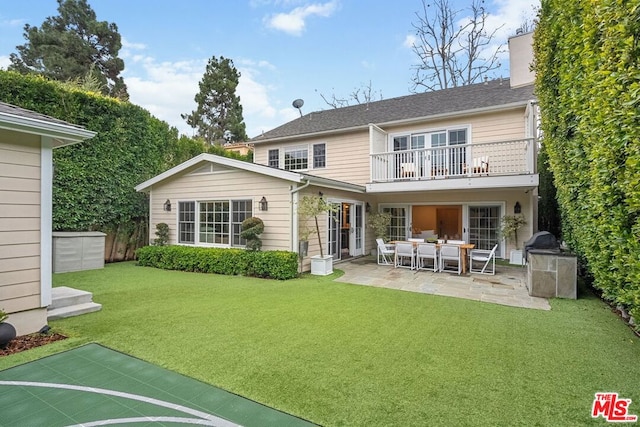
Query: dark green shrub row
(587,62)
(280,265)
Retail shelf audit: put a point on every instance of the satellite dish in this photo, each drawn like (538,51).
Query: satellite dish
(298,103)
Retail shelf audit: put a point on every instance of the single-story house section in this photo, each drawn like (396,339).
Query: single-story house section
(27,140)
(205,199)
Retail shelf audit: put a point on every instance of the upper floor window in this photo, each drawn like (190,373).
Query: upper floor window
(319,156)
(274,158)
(296,158)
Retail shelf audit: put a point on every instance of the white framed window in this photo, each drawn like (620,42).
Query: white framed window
(296,158)
(218,223)
(274,158)
(319,155)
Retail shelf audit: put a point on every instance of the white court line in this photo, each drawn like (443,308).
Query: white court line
(180,420)
(220,422)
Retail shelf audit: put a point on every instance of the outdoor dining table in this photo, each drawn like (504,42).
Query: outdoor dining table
(464,247)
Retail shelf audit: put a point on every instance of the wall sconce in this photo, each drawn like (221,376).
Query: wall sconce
(167,206)
(264,205)
(320,193)
(368,207)
(517,208)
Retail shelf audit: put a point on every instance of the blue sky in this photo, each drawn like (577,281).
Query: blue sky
(284,49)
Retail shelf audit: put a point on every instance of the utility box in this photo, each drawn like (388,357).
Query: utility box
(75,251)
(552,273)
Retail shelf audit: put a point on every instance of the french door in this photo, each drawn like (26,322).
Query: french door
(345,229)
(484,226)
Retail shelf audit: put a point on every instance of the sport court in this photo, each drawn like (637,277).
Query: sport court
(93,385)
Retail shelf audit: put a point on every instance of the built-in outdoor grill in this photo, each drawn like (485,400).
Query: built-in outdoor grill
(541,240)
(551,271)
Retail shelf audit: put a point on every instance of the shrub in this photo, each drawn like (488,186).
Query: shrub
(162,231)
(279,265)
(251,230)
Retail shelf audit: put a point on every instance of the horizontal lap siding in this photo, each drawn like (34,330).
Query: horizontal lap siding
(347,156)
(19,221)
(228,184)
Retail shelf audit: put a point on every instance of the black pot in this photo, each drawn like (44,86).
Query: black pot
(7,333)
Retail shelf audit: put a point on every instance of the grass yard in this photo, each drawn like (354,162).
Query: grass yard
(339,354)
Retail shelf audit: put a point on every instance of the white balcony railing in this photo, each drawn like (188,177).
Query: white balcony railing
(515,157)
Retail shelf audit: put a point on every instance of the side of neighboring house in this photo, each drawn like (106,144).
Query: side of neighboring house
(26,172)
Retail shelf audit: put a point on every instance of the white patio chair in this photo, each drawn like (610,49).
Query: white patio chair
(424,252)
(485,257)
(405,250)
(448,254)
(386,252)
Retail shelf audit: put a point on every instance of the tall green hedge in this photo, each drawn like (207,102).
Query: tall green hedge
(587,63)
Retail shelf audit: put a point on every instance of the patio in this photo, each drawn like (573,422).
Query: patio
(506,287)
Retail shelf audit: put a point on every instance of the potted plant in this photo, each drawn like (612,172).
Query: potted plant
(311,207)
(511,224)
(380,222)
(7,331)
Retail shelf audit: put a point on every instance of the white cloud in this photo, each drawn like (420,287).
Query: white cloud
(409,41)
(294,22)
(4,62)
(12,23)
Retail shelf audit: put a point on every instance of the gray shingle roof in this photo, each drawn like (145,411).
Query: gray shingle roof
(28,114)
(422,105)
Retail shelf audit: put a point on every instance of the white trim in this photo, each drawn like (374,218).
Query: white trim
(60,134)
(46,218)
(482,182)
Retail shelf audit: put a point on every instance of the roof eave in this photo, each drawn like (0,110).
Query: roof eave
(61,134)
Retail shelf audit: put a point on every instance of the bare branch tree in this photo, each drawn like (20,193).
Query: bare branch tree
(362,95)
(453,50)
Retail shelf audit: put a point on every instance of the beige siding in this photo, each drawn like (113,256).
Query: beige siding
(19,221)
(348,154)
(227,184)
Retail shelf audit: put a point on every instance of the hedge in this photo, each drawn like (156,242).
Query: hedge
(587,64)
(279,265)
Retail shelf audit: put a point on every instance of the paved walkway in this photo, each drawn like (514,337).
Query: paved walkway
(507,287)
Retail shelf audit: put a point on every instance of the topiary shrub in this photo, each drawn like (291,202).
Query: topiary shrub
(162,231)
(251,230)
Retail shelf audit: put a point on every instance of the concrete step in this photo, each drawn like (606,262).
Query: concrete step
(69,302)
(64,296)
(72,310)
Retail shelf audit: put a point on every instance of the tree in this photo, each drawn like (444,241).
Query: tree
(73,46)
(361,95)
(453,50)
(218,117)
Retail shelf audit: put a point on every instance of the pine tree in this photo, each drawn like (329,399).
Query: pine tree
(218,117)
(73,46)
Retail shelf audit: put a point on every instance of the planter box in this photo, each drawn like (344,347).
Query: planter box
(515,257)
(75,251)
(321,266)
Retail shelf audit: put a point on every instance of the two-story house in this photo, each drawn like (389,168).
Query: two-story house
(451,162)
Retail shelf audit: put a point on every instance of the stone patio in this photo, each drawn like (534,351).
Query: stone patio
(506,287)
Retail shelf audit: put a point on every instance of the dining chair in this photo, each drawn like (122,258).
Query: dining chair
(449,253)
(386,252)
(424,252)
(485,257)
(403,251)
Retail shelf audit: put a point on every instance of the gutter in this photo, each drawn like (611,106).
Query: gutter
(294,214)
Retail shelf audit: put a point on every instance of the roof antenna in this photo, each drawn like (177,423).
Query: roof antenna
(298,103)
(486,80)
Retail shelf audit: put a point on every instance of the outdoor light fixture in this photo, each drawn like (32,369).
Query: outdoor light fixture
(264,205)
(517,208)
(320,193)
(368,207)
(167,206)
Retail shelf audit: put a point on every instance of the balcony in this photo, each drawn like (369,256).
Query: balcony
(496,162)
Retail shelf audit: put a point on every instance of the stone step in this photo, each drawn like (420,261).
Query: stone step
(72,310)
(64,296)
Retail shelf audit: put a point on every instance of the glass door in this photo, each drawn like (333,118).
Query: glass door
(484,226)
(399,227)
(333,232)
(356,233)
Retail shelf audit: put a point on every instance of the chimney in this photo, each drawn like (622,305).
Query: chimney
(520,59)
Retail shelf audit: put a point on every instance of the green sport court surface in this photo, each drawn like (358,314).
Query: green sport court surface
(93,385)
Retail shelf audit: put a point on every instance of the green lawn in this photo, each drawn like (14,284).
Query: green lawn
(339,354)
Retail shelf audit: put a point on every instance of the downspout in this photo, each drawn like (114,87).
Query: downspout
(294,215)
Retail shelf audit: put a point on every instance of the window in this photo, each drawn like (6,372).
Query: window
(319,156)
(186,222)
(218,222)
(296,158)
(274,158)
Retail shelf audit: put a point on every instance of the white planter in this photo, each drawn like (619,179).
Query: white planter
(321,266)
(515,257)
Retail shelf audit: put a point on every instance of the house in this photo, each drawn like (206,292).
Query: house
(26,173)
(450,162)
